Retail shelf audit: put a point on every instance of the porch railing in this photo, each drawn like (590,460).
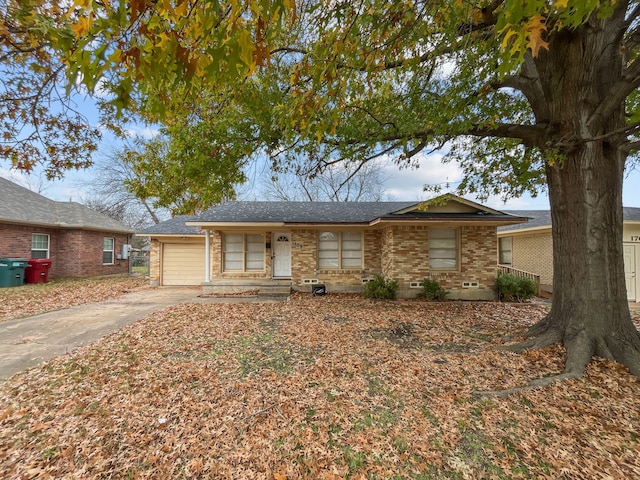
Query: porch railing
(506,269)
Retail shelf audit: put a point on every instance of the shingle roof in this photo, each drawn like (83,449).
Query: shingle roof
(334,213)
(21,205)
(301,212)
(542,218)
(173,226)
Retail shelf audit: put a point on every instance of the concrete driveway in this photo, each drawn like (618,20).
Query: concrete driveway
(26,342)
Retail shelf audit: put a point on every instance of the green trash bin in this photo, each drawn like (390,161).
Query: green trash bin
(12,271)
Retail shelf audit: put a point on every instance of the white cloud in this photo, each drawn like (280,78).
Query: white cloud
(408,183)
(142,131)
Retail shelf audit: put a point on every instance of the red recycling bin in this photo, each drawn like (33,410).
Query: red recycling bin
(38,270)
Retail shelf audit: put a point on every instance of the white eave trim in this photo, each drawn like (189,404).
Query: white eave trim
(453,221)
(518,231)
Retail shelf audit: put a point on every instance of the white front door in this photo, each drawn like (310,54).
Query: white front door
(281,252)
(630,270)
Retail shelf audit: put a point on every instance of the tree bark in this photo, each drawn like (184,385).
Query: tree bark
(589,311)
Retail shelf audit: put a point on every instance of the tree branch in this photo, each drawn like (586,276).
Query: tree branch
(631,147)
(628,83)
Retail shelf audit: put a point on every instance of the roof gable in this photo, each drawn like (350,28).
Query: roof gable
(21,205)
(450,203)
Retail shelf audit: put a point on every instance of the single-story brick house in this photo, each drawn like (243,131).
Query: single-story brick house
(79,241)
(529,247)
(339,244)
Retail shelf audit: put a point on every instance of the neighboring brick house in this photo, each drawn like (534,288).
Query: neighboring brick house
(79,241)
(529,247)
(339,244)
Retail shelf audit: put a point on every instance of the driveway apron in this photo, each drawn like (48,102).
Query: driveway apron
(26,342)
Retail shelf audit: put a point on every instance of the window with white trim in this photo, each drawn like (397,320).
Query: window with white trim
(243,252)
(505,248)
(39,245)
(443,249)
(108,251)
(341,250)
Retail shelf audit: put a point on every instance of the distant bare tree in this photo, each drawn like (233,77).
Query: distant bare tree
(335,182)
(34,182)
(111,196)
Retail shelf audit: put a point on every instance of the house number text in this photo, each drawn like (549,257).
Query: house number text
(635,238)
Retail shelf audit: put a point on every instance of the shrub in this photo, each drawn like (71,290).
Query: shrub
(431,290)
(515,289)
(381,288)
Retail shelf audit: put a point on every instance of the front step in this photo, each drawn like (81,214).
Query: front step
(265,288)
(274,291)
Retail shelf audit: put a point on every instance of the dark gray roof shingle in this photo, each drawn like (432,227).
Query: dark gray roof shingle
(173,226)
(542,218)
(301,212)
(309,213)
(21,205)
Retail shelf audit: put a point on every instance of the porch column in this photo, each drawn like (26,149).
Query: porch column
(207,257)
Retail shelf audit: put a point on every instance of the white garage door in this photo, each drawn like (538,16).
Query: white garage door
(182,264)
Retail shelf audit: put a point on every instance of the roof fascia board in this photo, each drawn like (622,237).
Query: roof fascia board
(64,226)
(523,231)
(67,226)
(170,235)
(470,221)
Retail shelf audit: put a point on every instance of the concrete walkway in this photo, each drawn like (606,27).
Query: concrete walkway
(26,342)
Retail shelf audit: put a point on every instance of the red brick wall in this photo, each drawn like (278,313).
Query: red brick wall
(73,253)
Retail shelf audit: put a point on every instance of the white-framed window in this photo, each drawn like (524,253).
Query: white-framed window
(108,251)
(505,247)
(39,245)
(341,250)
(443,248)
(243,252)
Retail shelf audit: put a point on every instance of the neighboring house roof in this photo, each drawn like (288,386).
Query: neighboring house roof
(22,206)
(340,213)
(541,219)
(173,226)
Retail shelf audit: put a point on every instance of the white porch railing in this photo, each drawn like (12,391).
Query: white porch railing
(506,269)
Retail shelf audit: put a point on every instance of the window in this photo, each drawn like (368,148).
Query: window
(39,245)
(443,248)
(108,251)
(504,250)
(243,252)
(340,250)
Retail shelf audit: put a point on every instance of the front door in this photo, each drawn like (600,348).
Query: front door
(281,254)
(630,271)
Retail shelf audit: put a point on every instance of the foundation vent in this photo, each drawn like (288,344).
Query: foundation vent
(415,284)
(470,284)
(309,281)
(367,280)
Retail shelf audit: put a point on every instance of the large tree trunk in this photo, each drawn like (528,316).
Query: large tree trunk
(589,313)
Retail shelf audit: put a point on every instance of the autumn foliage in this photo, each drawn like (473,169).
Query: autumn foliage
(318,387)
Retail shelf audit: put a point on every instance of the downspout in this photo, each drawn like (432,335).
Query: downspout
(207,257)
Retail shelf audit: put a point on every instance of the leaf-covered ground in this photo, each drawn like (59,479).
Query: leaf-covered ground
(319,388)
(33,299)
